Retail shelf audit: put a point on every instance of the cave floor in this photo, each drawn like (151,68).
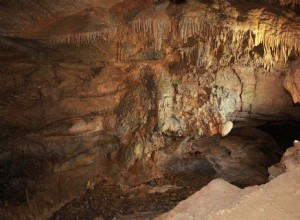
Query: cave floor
(242,158)
(109,201)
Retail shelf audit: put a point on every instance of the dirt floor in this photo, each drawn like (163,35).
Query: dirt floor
(107,201)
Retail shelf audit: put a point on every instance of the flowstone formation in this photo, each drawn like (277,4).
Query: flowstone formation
(97,89)
(185,108)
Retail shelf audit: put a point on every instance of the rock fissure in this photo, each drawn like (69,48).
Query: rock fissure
(242,89)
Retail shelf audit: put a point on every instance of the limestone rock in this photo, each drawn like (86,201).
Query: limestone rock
(242,157)
(275,170)
(220,200)
(168,121)
(290,161)
(227,127)
(291,158)
(205,201)
(292,81)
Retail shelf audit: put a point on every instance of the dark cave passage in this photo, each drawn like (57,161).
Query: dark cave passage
(284,133)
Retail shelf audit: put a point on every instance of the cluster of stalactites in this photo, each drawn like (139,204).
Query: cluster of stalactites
(293,3)
(279,38)
(224,37)
(192,25)
(159,28)
(79,38)
(290,2)
(211,36)
(276,46)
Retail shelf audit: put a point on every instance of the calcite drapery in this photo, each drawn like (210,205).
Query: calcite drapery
(221,34)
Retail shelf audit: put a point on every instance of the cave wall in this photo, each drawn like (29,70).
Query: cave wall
(86,122)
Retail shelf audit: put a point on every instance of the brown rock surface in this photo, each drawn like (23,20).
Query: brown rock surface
(289,161)
(240,158)
(277,199)
(292,81)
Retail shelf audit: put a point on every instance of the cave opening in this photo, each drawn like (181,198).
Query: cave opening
(123,109)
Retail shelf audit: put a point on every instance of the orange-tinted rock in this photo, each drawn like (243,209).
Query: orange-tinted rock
(292,81)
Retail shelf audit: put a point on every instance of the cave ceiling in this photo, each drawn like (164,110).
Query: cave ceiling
(268,31)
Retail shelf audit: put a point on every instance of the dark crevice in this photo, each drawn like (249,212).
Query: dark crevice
(284,133)
(242,89)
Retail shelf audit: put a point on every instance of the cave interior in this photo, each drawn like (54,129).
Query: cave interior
(121,109)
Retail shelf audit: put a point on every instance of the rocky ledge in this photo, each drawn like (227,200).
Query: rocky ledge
(274,200)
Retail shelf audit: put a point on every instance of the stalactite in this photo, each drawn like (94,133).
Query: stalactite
(268,61)
(85,26)
(188,54)
(211,34)
(293,3)
(190,25)
(79,38)
(157,26)
(217,34)
(121,38)
(278,35)
(290,2)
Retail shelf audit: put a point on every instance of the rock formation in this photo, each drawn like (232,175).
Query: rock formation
(291,82)
(274,200)
(290,161)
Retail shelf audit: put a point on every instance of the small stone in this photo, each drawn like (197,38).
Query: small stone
(227,127)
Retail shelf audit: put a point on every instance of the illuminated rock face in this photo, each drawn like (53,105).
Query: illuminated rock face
(96,89)
(292,81)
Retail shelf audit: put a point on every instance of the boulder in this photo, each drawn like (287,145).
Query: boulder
(290,161)
(220,200)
